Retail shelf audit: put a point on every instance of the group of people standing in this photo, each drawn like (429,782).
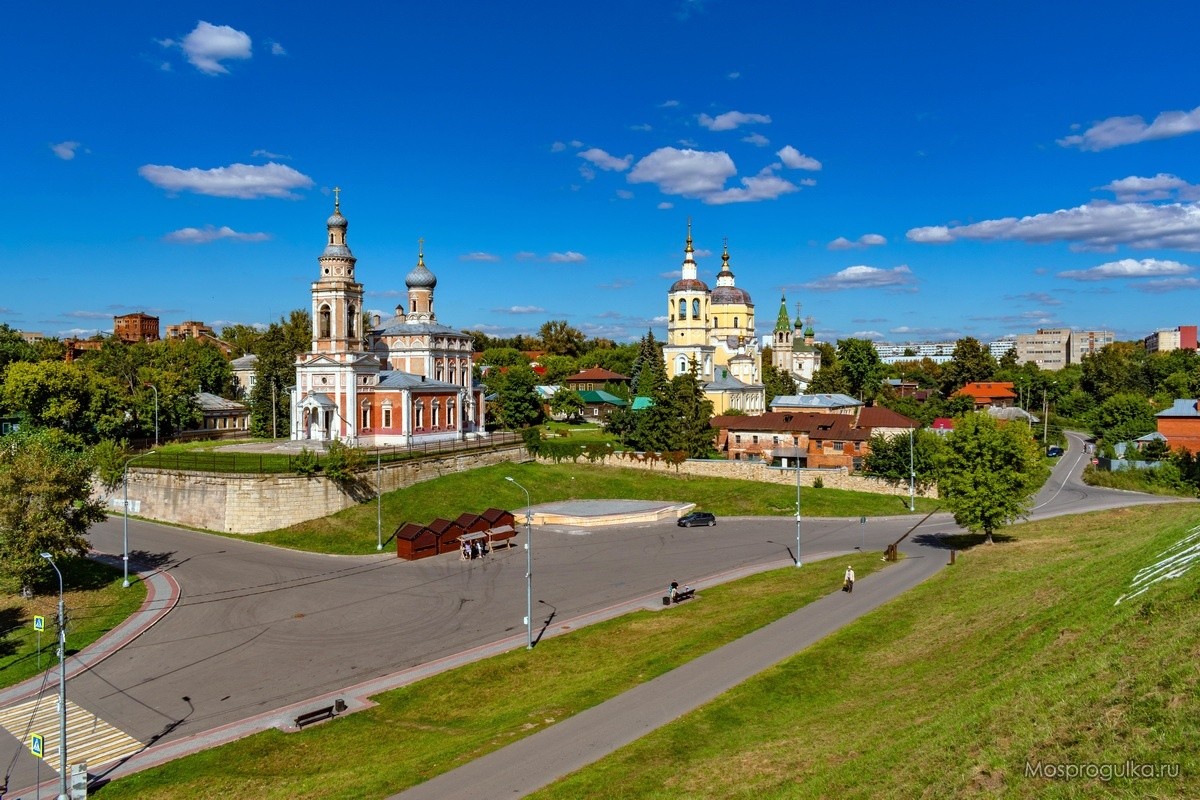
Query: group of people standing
(473,549)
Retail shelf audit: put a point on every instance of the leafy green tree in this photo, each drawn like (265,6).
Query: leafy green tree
(46,503)
(1119,368)
(889,456)
(776,382)
(517,403)
(566,402)
(1123,417)
(198,362)
(243,338)
(558,369)
(859,363)
(65,396)
(989,472)
(503,357)
(560,339)
(341,462)
(274,372)
(108,458)
(970,362)
(617,358)
(13,348)
(1155,450)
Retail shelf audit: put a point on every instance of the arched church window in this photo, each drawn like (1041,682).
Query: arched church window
(695,309)
(331,238)
(735,322)
(323,317)
(681,366)
(682,309)
(438,374)
(419,414)
(453,374)
(366,416)
(436,416)
(414,306)
(351,320)
(451,419)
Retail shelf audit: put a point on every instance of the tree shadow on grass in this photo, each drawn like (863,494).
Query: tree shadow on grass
(11,619)
(959,541)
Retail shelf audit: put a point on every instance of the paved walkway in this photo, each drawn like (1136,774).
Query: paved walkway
(531,763)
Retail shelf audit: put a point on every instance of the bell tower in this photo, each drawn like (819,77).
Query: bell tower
(336,296)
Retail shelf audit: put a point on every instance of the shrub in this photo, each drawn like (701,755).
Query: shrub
(306,462)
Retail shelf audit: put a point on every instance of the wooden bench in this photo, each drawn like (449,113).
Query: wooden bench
(319,714)
(686,593)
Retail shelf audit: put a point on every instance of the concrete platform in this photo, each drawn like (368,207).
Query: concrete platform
(595,513)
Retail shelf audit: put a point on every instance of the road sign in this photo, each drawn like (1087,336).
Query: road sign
(37,745)
(39,623)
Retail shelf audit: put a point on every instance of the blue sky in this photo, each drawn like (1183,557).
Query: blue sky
(904,171)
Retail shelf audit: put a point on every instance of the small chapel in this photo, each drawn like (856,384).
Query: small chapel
(399,381)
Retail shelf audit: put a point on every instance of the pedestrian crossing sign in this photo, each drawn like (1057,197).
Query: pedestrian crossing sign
(39,623)
(37,745)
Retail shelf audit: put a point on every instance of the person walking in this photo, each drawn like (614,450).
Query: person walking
(849,584)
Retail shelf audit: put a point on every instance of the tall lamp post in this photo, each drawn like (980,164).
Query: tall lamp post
(912,474)
(155,388)
(798,562)
(528,567)
(63,794)
(125,530)
(378,500)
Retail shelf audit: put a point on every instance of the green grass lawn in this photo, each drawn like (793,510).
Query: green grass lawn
(433,726)
(95,604)
(1015,655)
(353,531)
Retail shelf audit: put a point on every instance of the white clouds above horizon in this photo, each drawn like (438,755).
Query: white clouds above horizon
(731,120)
(1162,186)
(701,174)
(277,49)
(1118,131)
(243,181)
(479,256)
(208,45)
(863,277)
(605,161)
(65,150)
(1128,268)
(766,185)
(756,139)
(866,240)
(211,233)
(520,310)
(794,159)
(1095,226)
(569,257)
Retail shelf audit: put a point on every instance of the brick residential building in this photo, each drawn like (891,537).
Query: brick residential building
(1180,425)
(997,394)
(817,439)
(137,327)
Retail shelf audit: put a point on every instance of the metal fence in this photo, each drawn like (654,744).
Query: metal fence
(241,462)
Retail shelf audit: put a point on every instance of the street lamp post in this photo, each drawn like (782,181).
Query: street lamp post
(528,567)
(63,794)
(912,474)
(155,388)
(798,562)
(125,528)
(378,500)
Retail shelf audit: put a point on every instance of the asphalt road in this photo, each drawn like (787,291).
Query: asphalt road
(259,628)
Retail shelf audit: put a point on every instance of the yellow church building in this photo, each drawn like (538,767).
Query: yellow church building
(714,328)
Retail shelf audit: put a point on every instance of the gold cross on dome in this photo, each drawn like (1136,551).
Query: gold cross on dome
(336,200)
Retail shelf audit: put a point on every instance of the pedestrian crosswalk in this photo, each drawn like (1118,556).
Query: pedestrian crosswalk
(90,739)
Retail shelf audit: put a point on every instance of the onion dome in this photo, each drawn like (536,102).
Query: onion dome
(689,285)
(420,277)
(726,293)
(336,220)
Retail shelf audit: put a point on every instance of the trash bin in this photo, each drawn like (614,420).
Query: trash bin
(666,601)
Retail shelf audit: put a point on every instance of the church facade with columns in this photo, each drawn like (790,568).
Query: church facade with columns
(714,328)
(400,381)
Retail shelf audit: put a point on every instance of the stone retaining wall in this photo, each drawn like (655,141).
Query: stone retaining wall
(240,503)
(834,478)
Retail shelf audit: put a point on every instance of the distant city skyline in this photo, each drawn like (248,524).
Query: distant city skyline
(904,173)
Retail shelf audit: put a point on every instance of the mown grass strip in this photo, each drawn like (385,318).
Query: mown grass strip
(353,530)
(95,601)
(1016,656)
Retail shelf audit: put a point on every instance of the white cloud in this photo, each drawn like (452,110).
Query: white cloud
(872,335)
(1162,186)
(569,257)
(691,173)
(604,161)
(791,157)
(1096,226)
(277,49)
(479,256)
(733,76)
(624,194)
(671,274)
(520,310)
(587,172)
(557,147)
(701,252)
(763,186)
(730,120)
(208,45)
(269,155)
(757,139)
(1117,131)
(1036,297)
(669,104)
(1168,285)
(65,150)
(863,277)
(664,205)
(244,181)
(1128,268)
(576,143)
(866,240)
(525,255)
(807,182)
(210,233)
(643,127)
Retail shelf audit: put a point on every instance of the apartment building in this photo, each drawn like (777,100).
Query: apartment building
(1165,340)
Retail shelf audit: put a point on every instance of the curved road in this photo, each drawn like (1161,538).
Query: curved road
(259,628)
